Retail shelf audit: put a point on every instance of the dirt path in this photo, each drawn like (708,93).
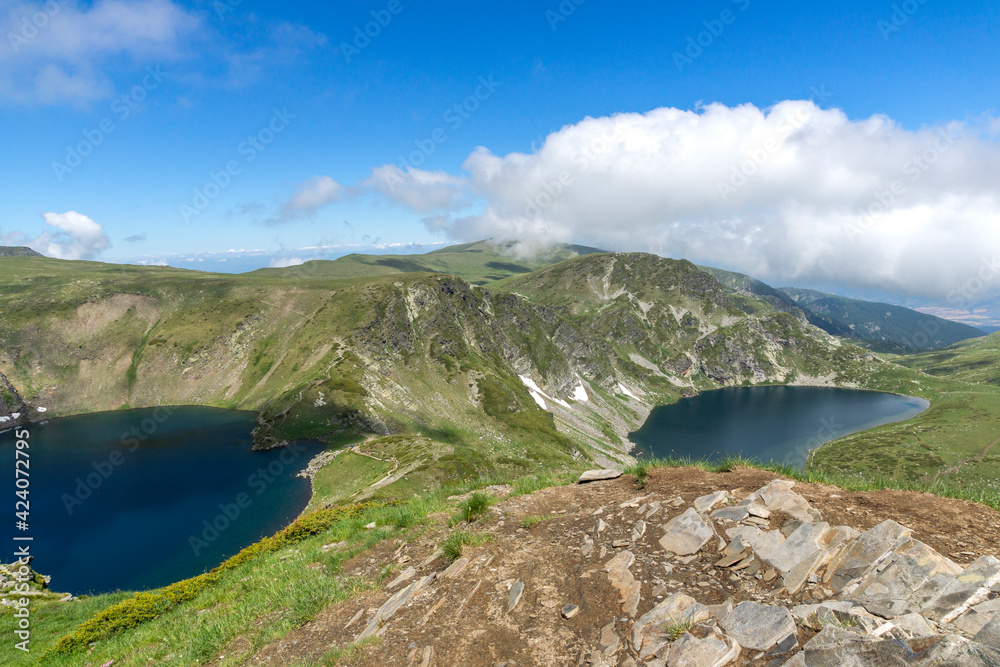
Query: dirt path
(961,464)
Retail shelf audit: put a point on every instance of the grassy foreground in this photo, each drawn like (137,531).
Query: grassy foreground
(256,597)
(269,589)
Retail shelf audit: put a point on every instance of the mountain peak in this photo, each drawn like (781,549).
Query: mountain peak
(18,251)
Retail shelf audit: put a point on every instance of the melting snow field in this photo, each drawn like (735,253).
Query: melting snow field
(539,395)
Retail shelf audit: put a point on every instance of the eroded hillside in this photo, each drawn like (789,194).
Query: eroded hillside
(569,358)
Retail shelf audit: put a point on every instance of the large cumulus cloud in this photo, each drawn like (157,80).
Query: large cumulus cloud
(789,193)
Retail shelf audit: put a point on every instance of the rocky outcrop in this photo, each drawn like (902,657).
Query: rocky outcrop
(723,578)
(18,580)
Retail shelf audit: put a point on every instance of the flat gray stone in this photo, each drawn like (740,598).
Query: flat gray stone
(867,550)
(705,503)
(609,643)
(886,590)
(973,620)
(968,589)
(990,633)
(623,581)
(734,513)
(686,534)
(758,626)
(405,575)
(778,496)
(957,651)
(802,544)
(838,647)
(914,625)
(764,543)
(387,610)
(516,591)
(638,530)
(599,475)
(650,632)
(702,646)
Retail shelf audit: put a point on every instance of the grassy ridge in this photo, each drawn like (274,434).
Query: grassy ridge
(476,263)
(975,361)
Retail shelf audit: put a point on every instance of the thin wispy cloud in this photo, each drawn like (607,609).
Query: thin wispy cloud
(314,194)
(62,58)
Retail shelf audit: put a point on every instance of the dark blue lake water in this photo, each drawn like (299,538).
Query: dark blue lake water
(119,500)
(767,423)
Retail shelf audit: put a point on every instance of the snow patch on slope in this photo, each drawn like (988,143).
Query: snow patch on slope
(623,389)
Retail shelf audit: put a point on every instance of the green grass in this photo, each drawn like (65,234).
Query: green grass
(346,476)
(675,630)
(453,545)
(335,655)
(474,507)
(530,521)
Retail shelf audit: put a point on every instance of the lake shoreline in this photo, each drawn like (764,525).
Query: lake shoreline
(776,422)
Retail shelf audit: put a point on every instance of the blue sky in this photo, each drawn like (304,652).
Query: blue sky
(197,79)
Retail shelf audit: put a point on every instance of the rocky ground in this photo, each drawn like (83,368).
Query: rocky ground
(694,568)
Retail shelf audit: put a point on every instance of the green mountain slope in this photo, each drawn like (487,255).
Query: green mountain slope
(550,369)
(885,327)
(746,286)
(878,326)
(560,363)
(976,361)
(477,263)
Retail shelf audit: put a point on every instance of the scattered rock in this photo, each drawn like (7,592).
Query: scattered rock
(569,611)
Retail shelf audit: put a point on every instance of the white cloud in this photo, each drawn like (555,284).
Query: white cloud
(315,193)
(790,193)
(283,262)
(78,237)
(423,191)
(55,51)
